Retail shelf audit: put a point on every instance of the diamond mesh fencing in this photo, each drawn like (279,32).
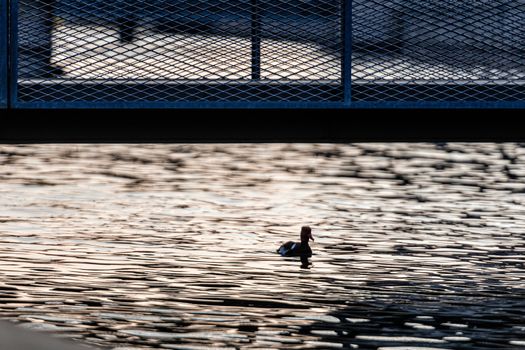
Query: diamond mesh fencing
(438,50)
(270,50)
(180,50)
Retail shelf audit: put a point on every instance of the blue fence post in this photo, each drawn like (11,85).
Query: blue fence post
(346,62)
(13,52)
(4,33)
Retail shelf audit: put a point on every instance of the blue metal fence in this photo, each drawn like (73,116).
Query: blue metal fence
(3,55)
(262,53)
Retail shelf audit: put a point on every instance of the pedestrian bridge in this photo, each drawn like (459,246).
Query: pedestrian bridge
(262,53)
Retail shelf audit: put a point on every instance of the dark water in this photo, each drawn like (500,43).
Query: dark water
(418,246)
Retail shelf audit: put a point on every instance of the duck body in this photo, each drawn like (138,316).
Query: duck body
(292,248)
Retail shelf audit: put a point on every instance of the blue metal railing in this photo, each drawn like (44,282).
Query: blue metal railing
(3,55)
(262,53)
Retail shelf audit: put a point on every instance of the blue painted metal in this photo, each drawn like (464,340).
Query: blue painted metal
(274,105)
(13,52)
(182,105)
(3,54)
(439,104)
(373,93)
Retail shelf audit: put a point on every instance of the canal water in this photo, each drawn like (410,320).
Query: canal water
(417,246)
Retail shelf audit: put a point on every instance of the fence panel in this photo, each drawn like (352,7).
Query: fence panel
(268,53)
(438,50)
(179,51)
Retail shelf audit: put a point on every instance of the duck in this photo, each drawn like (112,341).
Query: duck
(301,249)
(291,248)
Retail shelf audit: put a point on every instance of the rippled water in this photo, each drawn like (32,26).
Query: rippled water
(418,246)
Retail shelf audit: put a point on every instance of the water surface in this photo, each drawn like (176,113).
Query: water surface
(418,246)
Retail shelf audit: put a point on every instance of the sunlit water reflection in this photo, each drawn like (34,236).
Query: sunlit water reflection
(417,246)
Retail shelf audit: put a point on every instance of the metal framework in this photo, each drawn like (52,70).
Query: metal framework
(262,53)
(3,54)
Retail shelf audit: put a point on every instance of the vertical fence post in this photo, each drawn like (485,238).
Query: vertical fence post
(256,39)
(13,53)
(346,61)
(3,53)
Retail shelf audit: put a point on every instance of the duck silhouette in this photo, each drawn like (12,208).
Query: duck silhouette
(301,249)
(291,248)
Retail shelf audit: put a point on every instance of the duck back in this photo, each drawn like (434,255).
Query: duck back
(290,248)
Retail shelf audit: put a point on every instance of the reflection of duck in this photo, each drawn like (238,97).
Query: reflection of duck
(291,248)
